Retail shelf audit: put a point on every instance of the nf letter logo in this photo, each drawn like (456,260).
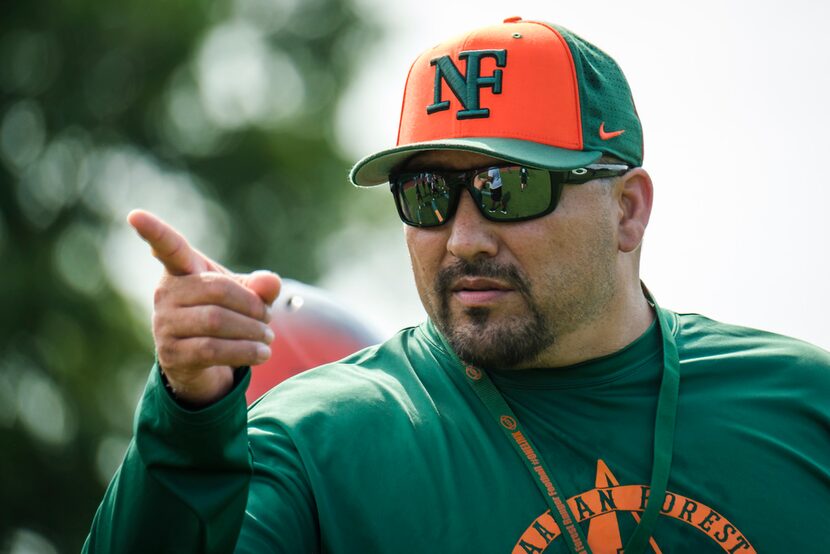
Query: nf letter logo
(466,88)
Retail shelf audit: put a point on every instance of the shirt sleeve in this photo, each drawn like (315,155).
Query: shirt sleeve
(281,513)
(191,483)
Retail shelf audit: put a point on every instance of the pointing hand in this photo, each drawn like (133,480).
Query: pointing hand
(207,320)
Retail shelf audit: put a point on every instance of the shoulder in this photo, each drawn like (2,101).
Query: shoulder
(699,332)
(761,354)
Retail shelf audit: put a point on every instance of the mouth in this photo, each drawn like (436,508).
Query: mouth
(477,291)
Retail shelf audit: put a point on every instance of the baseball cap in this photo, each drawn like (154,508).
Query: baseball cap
(526,92)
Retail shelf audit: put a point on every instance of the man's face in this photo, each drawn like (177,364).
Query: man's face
(505,294)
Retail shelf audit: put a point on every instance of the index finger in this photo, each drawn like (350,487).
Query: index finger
(169,246)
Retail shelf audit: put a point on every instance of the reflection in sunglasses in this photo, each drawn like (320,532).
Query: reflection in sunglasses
(510,193)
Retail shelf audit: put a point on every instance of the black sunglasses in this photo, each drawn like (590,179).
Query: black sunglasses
(501,193)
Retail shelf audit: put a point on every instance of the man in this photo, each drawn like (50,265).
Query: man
(494,178)
(547,405)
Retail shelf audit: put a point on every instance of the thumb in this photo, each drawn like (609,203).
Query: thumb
(266,284)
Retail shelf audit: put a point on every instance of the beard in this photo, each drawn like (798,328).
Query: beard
(514,340)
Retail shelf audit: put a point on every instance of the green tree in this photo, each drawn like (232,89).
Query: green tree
(218,111)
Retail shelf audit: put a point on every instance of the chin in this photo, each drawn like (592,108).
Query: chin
(484,340)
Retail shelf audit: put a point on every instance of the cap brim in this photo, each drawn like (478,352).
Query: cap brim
(375,169)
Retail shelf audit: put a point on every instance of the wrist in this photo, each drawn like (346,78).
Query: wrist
(213,384)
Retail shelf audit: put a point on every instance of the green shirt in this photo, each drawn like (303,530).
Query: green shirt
(390,450)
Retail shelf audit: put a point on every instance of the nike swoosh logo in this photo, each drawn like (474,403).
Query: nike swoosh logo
(605,135)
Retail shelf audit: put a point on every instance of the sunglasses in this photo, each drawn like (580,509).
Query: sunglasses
(501,193)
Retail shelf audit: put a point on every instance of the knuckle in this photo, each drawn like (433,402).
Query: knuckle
(213,319)
(160,294)
(166,353)
(158,322)
(161,325)
(207,350)
(215,289)
(168,289)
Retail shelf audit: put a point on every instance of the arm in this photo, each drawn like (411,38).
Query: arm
(184,484)
(191,482)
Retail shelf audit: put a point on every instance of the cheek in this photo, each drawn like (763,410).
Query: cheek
(426,251)
(540,243)
(561,252)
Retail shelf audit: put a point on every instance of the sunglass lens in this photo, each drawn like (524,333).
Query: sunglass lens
(513,192)
(424,199)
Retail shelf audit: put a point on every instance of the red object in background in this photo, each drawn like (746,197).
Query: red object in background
(311,329)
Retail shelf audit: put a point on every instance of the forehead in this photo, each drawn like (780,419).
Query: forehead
(449,159)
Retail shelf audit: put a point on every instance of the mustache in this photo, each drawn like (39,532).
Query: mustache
(481,268)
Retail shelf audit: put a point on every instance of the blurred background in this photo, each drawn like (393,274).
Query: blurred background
(237,121)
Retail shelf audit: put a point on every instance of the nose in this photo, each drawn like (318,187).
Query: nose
(471,235)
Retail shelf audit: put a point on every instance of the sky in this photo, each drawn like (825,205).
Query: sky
(733,101)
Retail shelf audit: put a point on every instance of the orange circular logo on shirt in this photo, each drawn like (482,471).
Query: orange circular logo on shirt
(473,373)
(508,422)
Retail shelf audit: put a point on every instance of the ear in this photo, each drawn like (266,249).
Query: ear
(634,194)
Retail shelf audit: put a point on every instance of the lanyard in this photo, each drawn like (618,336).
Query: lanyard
(540,470)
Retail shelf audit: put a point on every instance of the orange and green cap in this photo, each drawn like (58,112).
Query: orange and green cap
(526,92)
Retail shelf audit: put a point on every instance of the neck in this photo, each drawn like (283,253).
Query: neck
(627,317)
